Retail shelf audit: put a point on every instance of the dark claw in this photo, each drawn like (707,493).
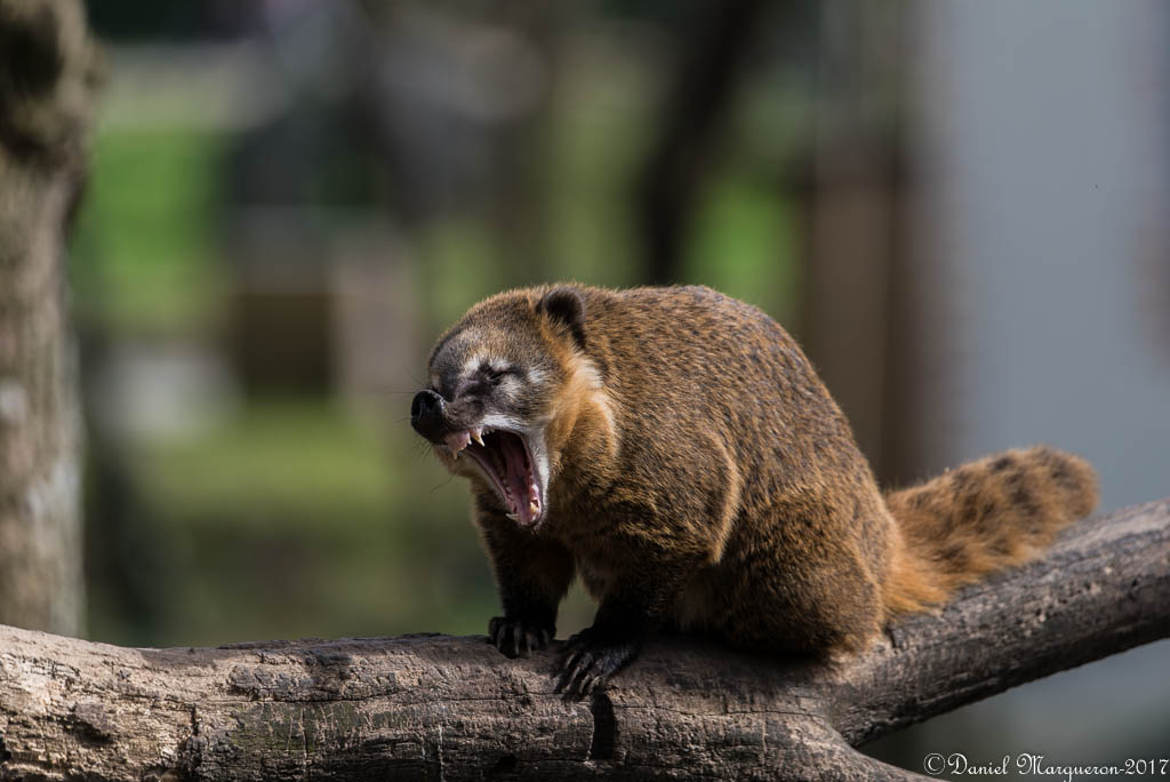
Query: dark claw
(582,681)
(589,661)
(516,637)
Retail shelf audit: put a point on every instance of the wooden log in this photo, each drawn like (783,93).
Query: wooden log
(438,707)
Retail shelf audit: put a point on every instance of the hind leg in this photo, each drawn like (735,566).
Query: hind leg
(801,589)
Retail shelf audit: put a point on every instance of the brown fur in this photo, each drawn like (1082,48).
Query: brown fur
(701,469)
(1001,510)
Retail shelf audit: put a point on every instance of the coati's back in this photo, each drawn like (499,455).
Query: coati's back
(725,423)
(675,448)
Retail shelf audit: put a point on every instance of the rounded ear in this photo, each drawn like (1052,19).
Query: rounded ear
(565,308)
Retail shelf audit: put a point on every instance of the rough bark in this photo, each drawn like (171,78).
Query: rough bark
(46,82)
(436,707)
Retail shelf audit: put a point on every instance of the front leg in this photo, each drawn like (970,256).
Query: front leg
(598,652)
(532,574)
(636,603)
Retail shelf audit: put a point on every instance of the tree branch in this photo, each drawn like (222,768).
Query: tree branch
(435,707)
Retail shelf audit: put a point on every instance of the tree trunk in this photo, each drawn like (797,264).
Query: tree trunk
(434,707)
(47,75)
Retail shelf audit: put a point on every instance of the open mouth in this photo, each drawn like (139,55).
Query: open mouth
(506,459)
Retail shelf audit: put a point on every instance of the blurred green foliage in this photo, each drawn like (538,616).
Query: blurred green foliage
(742,232)
(297,518)
(145,259)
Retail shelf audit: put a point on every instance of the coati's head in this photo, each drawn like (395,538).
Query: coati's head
(508,383)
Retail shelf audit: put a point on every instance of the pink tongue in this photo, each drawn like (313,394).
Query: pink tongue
(516,475)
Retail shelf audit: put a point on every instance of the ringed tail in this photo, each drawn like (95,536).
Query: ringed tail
(1001,510)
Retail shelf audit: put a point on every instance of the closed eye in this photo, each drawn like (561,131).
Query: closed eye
(496,374)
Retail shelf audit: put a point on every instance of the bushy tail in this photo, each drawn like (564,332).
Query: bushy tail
(1001,510)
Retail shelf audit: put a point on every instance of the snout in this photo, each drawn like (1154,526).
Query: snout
(426,415)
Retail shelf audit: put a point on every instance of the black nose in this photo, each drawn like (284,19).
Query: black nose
(426,414)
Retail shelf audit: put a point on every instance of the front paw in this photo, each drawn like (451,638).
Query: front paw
(515,637)
(590,658)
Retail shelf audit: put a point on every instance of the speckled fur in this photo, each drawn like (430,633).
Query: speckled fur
(701,470)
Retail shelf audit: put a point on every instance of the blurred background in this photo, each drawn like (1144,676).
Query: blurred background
(960,209)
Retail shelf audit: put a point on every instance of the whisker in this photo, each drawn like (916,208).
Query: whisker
(440,485)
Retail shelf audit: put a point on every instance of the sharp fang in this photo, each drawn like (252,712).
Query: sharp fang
(533,508)
(477,435)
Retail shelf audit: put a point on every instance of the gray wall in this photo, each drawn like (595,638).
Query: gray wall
(1044,131)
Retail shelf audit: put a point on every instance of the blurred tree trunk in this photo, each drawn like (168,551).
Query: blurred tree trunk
(47,79)
(861,320)
(520,211)
(714,47)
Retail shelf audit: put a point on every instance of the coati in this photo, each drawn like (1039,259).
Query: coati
(675,448)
